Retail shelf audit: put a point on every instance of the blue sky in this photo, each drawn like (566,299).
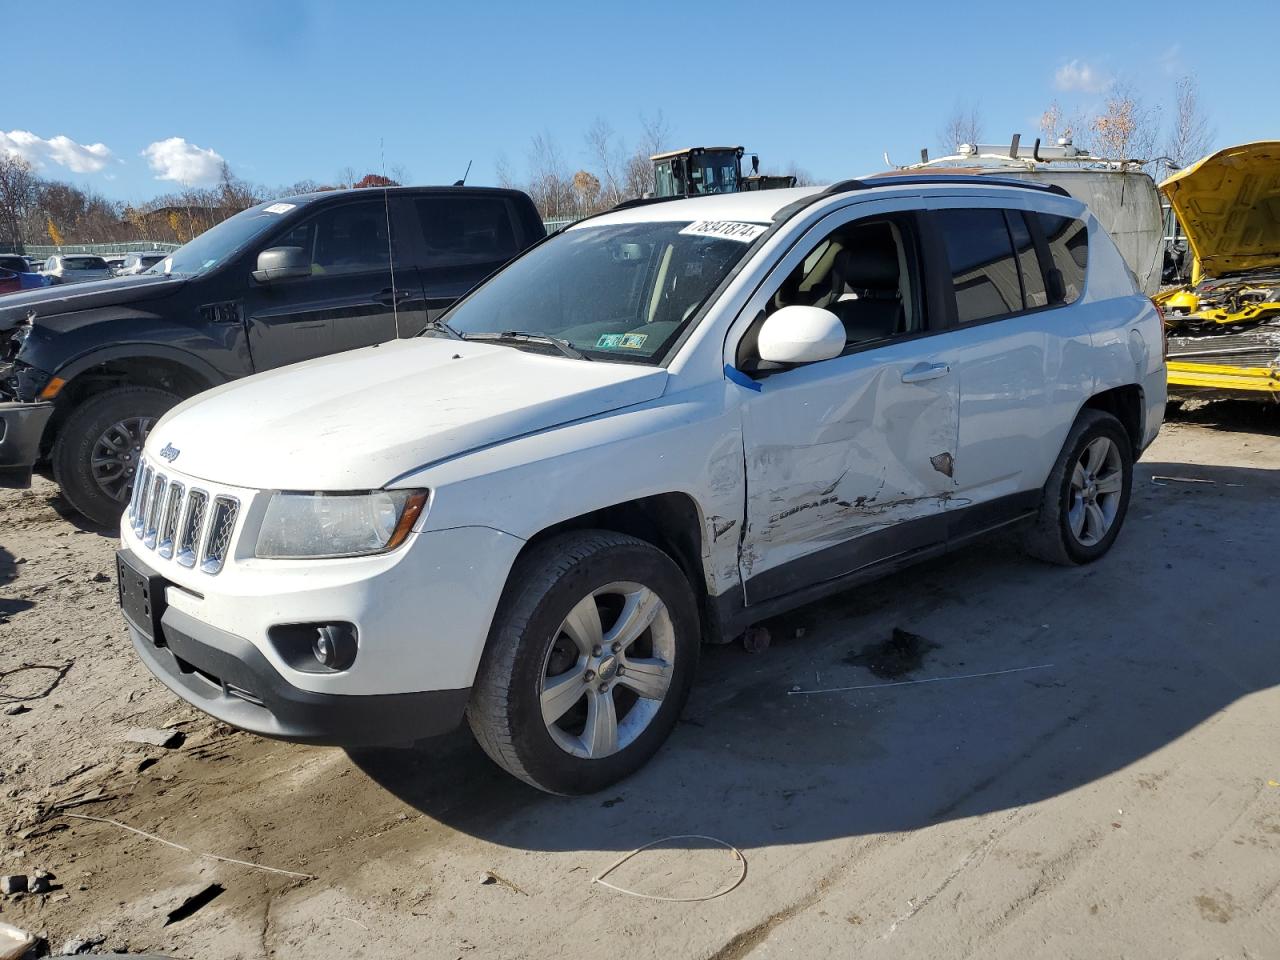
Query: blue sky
(286,90)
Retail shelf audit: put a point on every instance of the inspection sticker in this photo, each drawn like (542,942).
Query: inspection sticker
(728,229)
(621,341)
(279,208)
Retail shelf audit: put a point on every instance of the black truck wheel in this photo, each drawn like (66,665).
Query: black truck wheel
(95,457)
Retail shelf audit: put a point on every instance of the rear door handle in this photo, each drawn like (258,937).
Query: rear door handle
(925,371)
(398,296)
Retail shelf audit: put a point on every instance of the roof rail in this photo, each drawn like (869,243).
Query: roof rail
(921,179)
(645,201)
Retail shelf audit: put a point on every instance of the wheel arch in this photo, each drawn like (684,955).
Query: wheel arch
(163,368)
(672,522)
(1126,404)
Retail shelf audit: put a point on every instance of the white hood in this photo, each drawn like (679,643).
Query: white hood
(357,420)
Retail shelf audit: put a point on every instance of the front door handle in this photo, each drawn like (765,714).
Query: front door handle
(398,296)
(925,371)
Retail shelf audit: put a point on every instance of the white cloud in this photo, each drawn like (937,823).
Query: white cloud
(60,150)
(175,159)
(1081,76)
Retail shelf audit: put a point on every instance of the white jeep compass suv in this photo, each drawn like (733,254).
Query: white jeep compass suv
(657,427)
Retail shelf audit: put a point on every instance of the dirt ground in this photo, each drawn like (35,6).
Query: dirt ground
(1110,787)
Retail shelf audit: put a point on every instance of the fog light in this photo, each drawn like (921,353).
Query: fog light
(335,646)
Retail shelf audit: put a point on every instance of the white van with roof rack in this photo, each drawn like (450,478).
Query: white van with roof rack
(1117,191)
(655,428)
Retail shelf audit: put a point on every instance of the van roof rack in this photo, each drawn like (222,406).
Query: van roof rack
(921,179)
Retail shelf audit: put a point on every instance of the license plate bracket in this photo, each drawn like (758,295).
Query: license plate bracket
(142,597)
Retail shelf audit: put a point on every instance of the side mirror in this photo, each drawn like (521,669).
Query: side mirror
(798,334)
(282,263)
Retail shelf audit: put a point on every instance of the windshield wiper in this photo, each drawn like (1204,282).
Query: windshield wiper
(519,336)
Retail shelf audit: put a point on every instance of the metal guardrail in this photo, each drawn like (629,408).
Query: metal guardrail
(555,223)
(101,249)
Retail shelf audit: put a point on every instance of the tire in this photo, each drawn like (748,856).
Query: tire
(117,419)
(1066,531)
(532,644)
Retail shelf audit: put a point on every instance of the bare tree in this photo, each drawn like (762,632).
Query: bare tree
(550,183)
(1126,129)
(17,194)
(502,172)
(963,126)
(1191,134)
(655,137)
(607,154)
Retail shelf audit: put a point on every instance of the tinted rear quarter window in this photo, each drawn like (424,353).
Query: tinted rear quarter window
(1068,241)
(463,230)
(984,270)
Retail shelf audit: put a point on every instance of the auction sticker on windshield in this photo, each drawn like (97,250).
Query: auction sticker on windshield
(279,208)
(726,229)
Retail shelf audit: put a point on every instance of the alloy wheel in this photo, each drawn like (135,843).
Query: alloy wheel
(608,670)
(1097,483)
(116,455)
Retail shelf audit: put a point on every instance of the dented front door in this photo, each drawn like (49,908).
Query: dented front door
(848,461)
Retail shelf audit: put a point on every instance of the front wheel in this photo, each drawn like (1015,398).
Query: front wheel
(95,459)
(588,664)
(1087,494)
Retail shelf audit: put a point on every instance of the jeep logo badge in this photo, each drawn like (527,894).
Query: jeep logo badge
(170,452)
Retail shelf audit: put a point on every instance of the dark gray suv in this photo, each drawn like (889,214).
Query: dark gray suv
(86,371)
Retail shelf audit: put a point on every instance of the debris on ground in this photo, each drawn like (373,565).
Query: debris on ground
(901,654)
(78,945)
(14,941)
(13,883)
(14,709)
(196,901)
(153,737)
(489,877)
(727,888)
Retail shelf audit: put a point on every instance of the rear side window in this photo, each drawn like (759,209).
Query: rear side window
(984,270)
(1033,290)
(465,230)
(1068,241)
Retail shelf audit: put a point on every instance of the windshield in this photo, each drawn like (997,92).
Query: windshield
(84,263)
(714,172)
(618,292)
(217,244)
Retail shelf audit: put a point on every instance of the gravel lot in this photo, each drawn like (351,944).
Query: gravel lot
(1120,799)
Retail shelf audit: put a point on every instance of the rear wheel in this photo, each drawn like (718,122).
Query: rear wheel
(588,663)
(95,458)
(1087,494)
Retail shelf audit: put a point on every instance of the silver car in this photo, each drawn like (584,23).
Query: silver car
(135,263)
(76,268)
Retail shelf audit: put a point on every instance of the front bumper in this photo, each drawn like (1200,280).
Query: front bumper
(227,677)
(21,428)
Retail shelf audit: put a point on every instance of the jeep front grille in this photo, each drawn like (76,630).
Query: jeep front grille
(218,541)
(192,527)
(158,488)
(141,497)
(169,520)
(183,523)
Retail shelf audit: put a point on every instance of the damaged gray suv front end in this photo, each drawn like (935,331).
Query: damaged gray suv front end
(23,414)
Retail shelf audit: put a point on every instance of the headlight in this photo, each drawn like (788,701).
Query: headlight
(314,525)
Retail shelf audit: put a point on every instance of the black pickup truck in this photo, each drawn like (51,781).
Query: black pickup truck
(85,371)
